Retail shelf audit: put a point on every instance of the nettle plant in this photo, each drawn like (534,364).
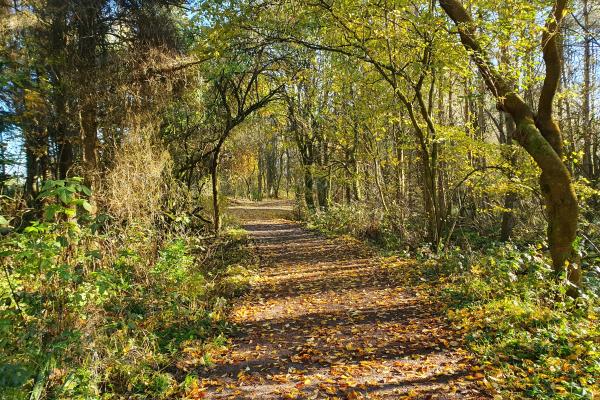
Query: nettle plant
(68,194)
(44,293)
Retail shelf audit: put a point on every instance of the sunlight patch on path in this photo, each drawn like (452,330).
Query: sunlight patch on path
(329,320)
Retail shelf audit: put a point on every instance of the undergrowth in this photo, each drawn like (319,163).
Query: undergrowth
(362,222)
(533,341)
(90,309)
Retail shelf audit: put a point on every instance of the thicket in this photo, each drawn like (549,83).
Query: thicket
(92,308)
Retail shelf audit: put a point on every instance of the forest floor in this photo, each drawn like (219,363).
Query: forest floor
(329,319)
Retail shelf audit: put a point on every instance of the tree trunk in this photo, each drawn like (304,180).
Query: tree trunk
(288,173)
(322,177)
(259,182)
(355,171)
(508,217)
(215,192)
(279,174)
(65,153)
(271,166)
(588,158)
(308,188)
(323,191)
(429,165)
(89,128)
(379,185)
(88,42)
(538,134)
(59,129)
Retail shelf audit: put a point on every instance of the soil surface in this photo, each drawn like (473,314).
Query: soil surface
(330,320)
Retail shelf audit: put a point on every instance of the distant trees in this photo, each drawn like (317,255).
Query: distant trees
(238,92)
(308,111)
(241,77)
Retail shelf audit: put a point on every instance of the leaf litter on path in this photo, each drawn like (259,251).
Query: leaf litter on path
(329,320)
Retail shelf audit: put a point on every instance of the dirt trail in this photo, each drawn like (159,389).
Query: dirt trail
(329,321)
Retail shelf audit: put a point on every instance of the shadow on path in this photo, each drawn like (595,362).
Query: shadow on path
(329,320)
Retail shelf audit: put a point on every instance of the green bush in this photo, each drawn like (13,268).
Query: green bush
(534,341)
(89,309)
(362,222)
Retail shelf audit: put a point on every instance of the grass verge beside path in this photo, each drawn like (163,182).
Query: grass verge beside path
(134,325)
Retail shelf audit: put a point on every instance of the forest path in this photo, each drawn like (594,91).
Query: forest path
(328,320)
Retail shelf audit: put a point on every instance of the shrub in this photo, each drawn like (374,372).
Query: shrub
(90,308)
(362,222)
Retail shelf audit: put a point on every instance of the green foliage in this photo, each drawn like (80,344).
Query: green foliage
(174,262)
(87,309)
(363,222)
(533,340)
(45,291)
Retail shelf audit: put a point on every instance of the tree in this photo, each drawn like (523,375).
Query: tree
(537,132)
(240,93)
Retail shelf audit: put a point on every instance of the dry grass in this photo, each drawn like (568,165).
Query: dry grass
(135,185)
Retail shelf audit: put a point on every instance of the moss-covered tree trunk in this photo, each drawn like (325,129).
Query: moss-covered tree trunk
(537,133)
